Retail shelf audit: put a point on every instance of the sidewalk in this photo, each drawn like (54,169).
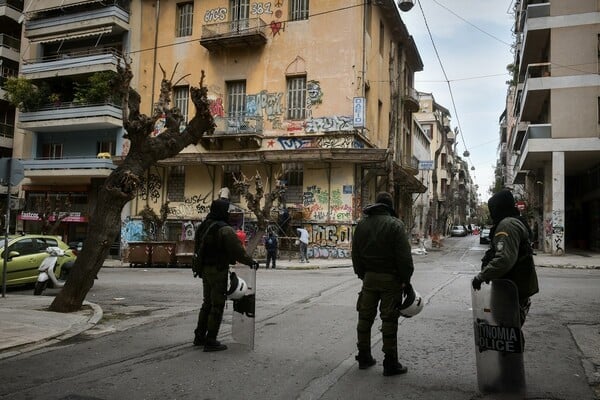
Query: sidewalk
(23,316)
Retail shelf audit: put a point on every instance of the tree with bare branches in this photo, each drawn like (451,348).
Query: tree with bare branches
(253,200)
(51,216)
(121,185)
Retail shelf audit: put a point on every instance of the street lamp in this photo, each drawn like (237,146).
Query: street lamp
(406,5)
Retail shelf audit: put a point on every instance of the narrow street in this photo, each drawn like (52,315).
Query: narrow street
(305,339)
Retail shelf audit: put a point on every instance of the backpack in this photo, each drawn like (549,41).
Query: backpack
(197,259)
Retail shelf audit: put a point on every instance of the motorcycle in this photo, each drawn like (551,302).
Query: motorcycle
(48,271)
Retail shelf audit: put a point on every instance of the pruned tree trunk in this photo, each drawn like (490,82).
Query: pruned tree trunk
(121,186)
(253,200)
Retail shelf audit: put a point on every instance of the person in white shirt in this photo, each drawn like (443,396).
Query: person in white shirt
(303,244)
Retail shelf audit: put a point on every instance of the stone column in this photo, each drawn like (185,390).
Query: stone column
(558,203)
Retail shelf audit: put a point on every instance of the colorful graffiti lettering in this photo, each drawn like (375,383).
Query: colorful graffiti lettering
(329,124)
(293,143)
(216,107)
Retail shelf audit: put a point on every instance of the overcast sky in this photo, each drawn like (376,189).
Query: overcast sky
(472,38)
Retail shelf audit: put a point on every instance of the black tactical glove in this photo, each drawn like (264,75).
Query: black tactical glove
(254,265)
(476,283)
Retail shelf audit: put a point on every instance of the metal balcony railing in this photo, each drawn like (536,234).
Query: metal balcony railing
(91,162)
(10,42)
(238,124)
(93,51)
(7,131)
(241,27)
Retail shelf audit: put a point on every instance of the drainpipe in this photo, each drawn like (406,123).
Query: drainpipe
(154,58)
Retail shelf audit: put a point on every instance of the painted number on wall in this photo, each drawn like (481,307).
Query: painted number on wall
(261,8)
(216,14)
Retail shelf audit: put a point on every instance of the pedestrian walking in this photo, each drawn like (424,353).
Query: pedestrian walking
(381,258)
(271,247)
(303,242)
(510,255)
(216,246)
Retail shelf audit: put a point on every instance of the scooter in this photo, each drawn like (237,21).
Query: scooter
(47,271)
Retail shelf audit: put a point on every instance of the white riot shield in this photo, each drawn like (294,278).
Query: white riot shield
(242,329)
(498,338)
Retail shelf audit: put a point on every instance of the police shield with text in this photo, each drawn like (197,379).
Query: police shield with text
(500,309)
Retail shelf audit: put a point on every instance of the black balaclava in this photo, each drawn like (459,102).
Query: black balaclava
(502,205)
(219,210)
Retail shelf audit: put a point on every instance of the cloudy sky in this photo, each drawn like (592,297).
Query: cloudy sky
(472,38)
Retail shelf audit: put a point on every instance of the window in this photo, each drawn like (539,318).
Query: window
(185,18)
(443,186)
(293,174)
(181,95)
(236,98)
(176,183)
(52,151)
(296,97)
(108,146)
(298,10)
(240,12)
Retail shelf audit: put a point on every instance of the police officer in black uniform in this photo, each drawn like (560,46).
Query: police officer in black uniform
(221,247)
(510,255)
(382,259)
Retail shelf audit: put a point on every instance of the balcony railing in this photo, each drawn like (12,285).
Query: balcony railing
(67,61)
(534,131)
(88,17)
(411,99)
(245,32)
(90,162)
(238,124)
(538,10)
(7,131)
(10,42)
(16,4)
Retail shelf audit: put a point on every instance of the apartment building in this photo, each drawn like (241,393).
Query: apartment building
(435,122)
(67,136)
(552,131)
(317,95)
(10,47)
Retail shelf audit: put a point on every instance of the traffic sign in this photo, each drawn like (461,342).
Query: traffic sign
(17,173)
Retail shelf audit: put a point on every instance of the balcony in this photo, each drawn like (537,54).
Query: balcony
(411,99)
(530,155)
(235,131)
(69,117)
(538,10)
(10,47)
(72,63)
(11,9)
(250,32)
(536,91)
(64,26)
(77,167)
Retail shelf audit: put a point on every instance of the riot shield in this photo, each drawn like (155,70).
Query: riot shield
(498,338)
(242,329)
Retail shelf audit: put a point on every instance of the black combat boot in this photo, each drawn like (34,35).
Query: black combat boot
(199,340)
(391,366)
(365,359)
(214,345)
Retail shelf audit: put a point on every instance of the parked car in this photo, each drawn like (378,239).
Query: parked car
(484,236)
(25,254)
(458,230)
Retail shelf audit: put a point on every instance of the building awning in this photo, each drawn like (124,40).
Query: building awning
(49,5)
(407,181)
(72,35)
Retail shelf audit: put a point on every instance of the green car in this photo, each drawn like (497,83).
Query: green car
(25,254)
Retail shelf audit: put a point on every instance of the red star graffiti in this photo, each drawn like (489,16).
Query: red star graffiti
(270,143)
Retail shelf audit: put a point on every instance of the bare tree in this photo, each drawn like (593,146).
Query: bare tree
(121,185)
(50,216)
(253,200)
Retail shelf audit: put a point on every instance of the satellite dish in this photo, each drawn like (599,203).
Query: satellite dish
(406,5)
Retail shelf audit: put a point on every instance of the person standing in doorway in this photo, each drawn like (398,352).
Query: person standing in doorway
(382,259)
(271,247)
(303,239)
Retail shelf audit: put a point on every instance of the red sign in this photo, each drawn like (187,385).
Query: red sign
(521,205)
(31,216)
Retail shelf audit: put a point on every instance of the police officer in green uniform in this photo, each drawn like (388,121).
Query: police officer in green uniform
(510,255)
(381,257)
(221,247)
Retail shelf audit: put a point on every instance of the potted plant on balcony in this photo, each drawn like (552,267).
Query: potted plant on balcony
(24,95)
(55,99)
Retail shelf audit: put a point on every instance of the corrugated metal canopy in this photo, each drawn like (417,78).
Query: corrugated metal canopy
(71,35)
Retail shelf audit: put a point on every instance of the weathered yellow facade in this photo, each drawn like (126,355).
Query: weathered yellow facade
(339,51)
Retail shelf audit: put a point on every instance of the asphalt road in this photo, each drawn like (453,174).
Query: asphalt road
(305,339)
